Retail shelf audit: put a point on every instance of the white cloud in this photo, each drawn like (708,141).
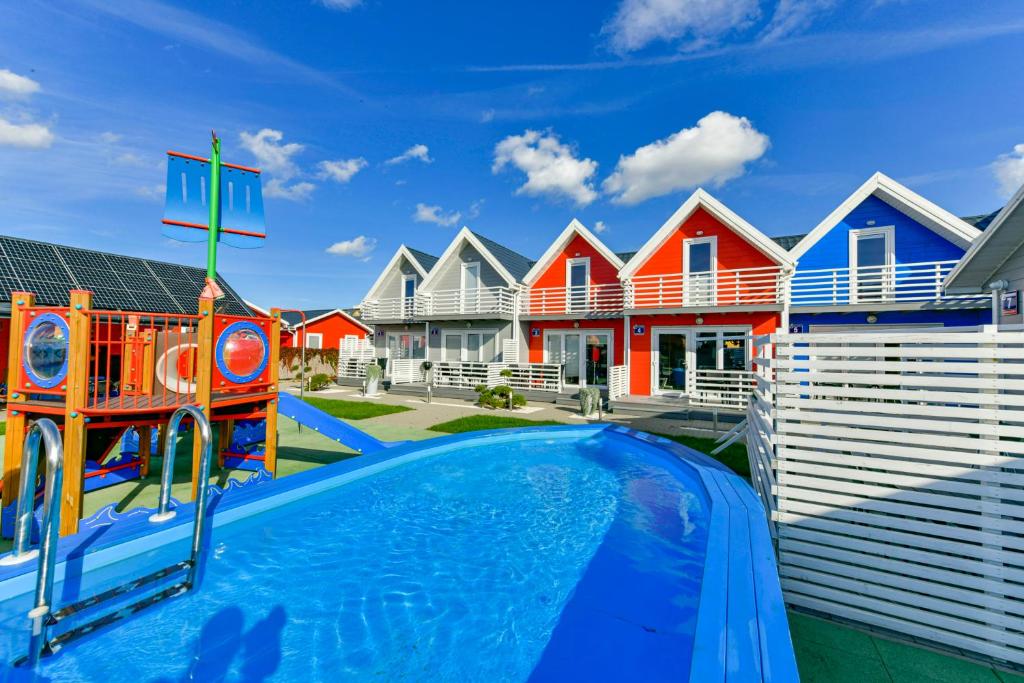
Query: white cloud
(14,85)
(272,156)
(550,166)
(109,138)
(435,214)
(296,192)
(154,193)
(714,151)
(1009,170)
(600,227)
(343,5)
(487,115)
(474,208)
(29,135)
(638,23)
(342,170)
(793,16)
(420,152)
(358,247)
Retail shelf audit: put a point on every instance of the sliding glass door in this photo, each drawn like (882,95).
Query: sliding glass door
(585,357)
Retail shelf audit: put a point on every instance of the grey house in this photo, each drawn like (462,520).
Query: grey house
(469,300)
(391,305)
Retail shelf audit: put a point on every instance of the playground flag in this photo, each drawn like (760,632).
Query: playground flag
(212,201)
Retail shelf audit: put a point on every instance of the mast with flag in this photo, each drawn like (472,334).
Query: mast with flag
(212,201)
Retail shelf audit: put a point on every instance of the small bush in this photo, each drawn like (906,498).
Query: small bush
(319,381)
(373,372)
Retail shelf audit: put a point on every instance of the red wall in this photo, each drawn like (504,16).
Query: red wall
(640,357)
(733,251)
(601,271)
(537,343)
(334,328)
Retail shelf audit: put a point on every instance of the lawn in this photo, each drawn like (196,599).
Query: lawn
(733,457)
(474,423)
(353,410)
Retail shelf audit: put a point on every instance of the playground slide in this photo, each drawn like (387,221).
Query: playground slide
(331,427)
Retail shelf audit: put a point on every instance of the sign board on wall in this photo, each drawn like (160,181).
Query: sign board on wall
(535,332)
(1011,302)
(639,330)
(796,329)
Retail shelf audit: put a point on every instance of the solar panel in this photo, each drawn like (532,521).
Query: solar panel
(35,251)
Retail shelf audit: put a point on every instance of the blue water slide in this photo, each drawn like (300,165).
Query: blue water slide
(331,427)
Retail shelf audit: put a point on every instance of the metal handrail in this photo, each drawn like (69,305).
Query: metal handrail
(46,430)
(164,512)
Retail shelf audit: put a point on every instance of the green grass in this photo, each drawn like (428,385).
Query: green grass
(3,428)
(475,423)
(353,410)
(734,457)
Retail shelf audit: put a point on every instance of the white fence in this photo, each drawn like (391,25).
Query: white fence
(525,376)
(353,356)
(721,388)
(618,381)
(405,370)
(891,465)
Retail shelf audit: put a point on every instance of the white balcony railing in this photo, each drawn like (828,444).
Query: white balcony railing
(398,308)
(495,301)
(903,282)
(722,388)
(587,300)
(742,287)
(525,376)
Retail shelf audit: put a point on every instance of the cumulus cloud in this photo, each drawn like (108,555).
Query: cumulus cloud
(14,85)
(713,152)
(1009,170)
(418,152)
(793,16)
(359,247)
(343,5)
(341,170)
(296,192)
(637,23)
(27,135)
(550,166)
(600,227)
(426,213)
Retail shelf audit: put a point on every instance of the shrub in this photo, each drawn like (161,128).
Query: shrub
(373,372)
(319,381)
(590,397)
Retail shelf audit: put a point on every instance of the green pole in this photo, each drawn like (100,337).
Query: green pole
(214,195)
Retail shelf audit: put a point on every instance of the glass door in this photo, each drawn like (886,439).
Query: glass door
(596,354)
(871,258)
(470,287)
(578,278)
(670,362)
(699,267)
(408,296)
(571,358)
(453,347)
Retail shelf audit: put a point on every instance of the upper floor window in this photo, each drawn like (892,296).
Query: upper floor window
(871,264)
(698,266)
(577,279)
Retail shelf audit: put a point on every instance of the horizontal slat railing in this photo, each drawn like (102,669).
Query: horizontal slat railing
(497,301)
(618,381)
(525,376)
(589,300)
(406,370)
(388,309)
(873,284)
(741,287)
(722,388)
(895,463)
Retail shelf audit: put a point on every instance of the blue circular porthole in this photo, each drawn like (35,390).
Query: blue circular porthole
(242,352)
(44,353)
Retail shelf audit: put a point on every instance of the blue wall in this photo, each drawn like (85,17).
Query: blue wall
(948,318)
(914,243)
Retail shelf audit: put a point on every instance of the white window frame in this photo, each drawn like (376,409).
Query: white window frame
(699,298)
(463,335)
(469,306)
(570,296)
(691,333)
(582,332)
(888,280)
(306,336)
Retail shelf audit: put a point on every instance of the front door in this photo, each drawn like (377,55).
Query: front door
(670,362)
(585,357)
(596,354)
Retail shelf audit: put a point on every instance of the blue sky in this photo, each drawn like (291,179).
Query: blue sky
(380,122)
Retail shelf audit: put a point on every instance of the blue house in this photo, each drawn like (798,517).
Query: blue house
(880,260)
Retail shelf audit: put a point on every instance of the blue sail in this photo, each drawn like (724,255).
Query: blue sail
(187,213)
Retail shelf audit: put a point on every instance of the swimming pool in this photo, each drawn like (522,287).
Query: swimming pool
(577,553)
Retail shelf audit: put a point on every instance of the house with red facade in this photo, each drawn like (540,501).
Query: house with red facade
(325,328)
(694,294)
(571,308)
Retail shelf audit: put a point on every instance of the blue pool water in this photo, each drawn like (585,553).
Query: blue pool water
(543,557)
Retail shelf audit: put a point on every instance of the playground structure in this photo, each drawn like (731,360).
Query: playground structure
(98,374)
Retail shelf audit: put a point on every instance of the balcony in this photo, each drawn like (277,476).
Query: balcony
(722,288)
(383,310)
(574,302)
(904,283)
(485,302)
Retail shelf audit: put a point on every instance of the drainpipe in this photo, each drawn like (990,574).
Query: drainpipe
(997,288)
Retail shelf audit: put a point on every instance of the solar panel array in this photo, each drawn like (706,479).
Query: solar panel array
(123,283)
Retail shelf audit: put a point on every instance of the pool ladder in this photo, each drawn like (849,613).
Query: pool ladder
(42,615)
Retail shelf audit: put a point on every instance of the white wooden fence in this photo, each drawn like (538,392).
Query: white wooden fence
(891,465)
(405,370)
(525,376)
(618,381)
(721,388)
(353,355)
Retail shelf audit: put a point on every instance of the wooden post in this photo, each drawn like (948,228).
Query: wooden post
(204,381)
(224,431)
(145,449)
(270,443)
(14,442)
(74,405)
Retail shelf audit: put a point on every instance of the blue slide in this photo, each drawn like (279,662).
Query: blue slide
(329,426)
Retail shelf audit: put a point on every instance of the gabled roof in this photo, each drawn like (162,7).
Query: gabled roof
(562,241)
(511,266)
(125,283)
(981,221)
(420,260)
(901,198)
(703,200)
(787,242)
(294,318)
(1000,241)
